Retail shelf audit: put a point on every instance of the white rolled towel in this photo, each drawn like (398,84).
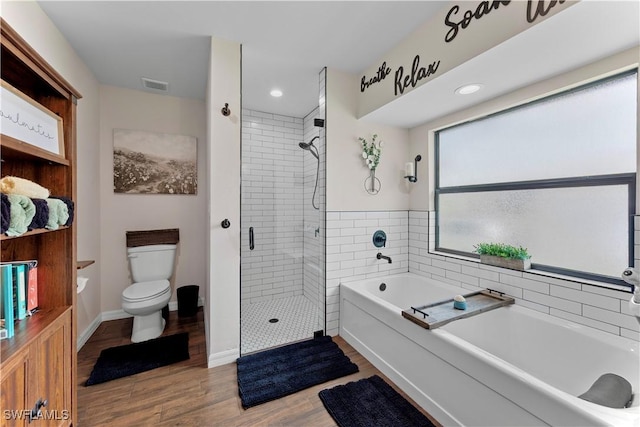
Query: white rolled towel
(22,187)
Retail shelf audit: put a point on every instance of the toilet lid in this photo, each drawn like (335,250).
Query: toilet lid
(146,290)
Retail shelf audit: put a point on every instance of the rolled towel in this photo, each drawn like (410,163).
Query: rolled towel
(6,213)
(609,390)
(58,214)
(23,187)
(70,208)
(22,212)
(41,217)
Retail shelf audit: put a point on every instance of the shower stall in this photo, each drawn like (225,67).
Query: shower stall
(282,227)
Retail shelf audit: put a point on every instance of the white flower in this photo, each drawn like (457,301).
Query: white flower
(371,152)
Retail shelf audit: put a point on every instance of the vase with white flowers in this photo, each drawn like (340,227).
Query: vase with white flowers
(371,152)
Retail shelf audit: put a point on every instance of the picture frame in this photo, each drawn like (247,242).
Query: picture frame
(27,121)
(154,163)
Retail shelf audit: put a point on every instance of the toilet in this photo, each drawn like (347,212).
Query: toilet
(151,268)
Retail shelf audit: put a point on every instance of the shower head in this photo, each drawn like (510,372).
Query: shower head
(308,145)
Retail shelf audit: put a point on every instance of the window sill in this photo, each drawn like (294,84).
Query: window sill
(573,279)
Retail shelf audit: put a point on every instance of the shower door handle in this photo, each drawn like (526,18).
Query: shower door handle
(251,245)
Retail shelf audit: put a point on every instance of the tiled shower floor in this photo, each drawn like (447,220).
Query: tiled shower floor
(297,320)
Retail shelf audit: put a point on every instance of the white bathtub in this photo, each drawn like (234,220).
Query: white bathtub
(508,367)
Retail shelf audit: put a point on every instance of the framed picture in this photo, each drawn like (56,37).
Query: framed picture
(154,163)
(24,119)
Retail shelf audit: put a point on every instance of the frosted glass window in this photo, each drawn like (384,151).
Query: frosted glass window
(556,176)
(583,228)
(590,131)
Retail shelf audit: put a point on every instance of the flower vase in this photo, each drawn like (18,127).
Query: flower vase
(372,184)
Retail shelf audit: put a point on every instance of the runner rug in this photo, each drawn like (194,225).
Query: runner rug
(281,371)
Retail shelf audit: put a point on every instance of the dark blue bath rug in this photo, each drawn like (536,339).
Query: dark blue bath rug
(130,359)
(276,373)
(371,402)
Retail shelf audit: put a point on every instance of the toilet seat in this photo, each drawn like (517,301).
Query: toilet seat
(146,290)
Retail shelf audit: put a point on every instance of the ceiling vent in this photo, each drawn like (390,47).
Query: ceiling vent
(155,85)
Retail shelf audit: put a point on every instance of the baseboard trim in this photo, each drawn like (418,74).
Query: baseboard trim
(115,315)
(223,357)
(86,334)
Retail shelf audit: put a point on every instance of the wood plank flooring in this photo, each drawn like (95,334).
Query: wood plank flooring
(189,394)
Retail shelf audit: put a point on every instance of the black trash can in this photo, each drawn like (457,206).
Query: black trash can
(187,300)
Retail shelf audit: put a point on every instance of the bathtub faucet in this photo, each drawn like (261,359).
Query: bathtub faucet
(380,256)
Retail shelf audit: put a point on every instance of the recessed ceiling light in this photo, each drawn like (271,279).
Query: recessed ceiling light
(276,93)
(468,89)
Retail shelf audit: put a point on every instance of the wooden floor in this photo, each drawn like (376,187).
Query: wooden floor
(189,394)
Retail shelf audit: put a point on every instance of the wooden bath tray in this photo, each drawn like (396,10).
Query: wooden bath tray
(440,313)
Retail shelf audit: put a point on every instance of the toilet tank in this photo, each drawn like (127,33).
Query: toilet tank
(154,262)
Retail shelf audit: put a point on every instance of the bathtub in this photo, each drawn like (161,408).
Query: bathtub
(507,367)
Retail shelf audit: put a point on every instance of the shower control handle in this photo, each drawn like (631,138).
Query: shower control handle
(251,243)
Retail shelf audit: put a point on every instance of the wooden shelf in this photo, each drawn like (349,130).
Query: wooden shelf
(40,360)
(15,149)
(84,264)
(28,329)
(32,233)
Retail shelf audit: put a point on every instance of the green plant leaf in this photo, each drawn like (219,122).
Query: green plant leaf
(502,250)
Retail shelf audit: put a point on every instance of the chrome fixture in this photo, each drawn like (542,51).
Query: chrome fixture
(313,150)
(411,169)
(631,276)
(309,145)
(380,256)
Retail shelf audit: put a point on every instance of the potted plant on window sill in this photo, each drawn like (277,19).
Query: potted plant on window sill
(502,255)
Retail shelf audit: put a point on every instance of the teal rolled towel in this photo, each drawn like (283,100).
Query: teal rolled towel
(58,213)
(22,212)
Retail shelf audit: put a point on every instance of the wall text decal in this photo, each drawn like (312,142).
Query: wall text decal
(383,72)
(417,73)
(485,7)
(540,9)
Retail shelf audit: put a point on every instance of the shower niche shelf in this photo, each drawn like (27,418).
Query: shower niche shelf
(440,313)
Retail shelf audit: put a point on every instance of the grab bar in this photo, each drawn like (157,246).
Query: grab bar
(251,244)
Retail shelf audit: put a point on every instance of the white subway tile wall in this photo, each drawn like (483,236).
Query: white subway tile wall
(314,227)
(411,236)
(272,203)
(351,254)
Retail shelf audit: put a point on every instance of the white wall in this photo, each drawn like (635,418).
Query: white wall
(138,110)
(28,19)
(346,170)
(222,297)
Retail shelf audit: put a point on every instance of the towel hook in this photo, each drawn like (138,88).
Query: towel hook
(225,110)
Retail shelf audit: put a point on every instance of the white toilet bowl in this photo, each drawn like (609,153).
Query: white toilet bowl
(145,301)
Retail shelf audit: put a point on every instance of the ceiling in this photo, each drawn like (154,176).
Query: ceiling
(286,44)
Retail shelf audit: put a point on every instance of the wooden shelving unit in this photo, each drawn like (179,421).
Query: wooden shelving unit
(39,361)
